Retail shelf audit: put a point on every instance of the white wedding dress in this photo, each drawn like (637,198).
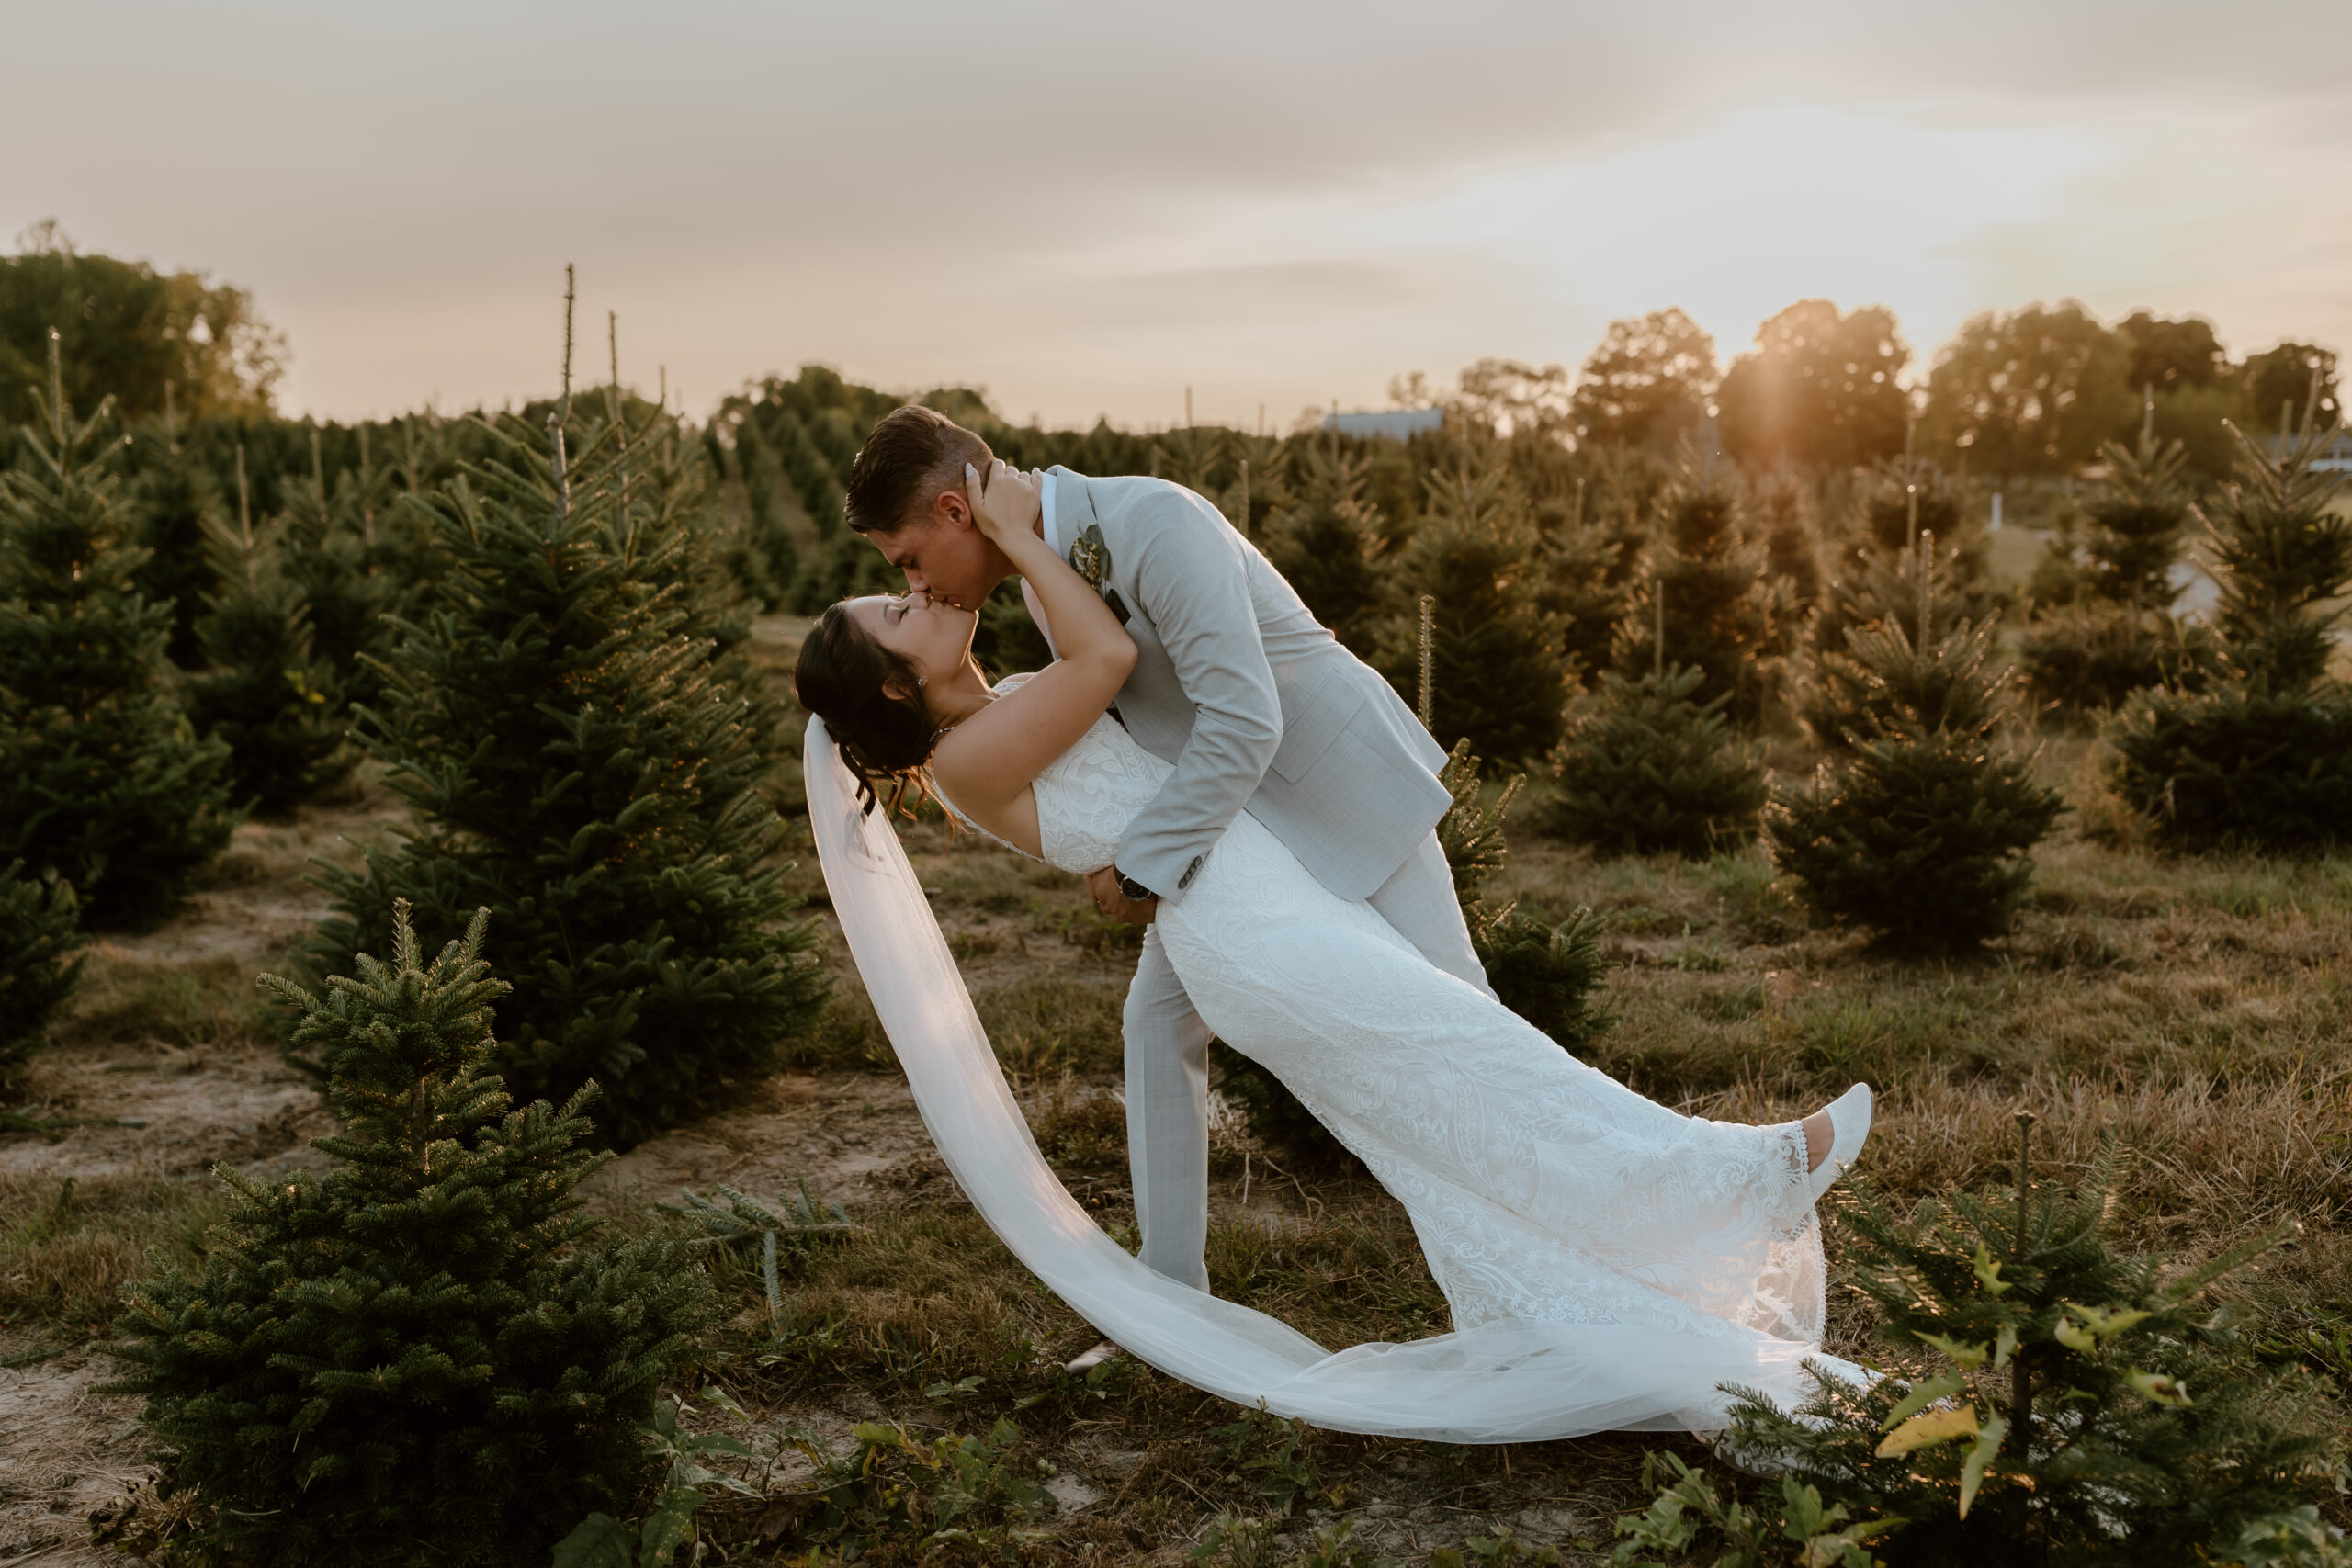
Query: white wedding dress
(1609,1262)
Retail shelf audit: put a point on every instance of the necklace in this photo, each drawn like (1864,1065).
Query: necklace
(944,729)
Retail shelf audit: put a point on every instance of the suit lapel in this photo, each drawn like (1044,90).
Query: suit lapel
(1074,513)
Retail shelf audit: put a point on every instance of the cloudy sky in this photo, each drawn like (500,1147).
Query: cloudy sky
(1086,209)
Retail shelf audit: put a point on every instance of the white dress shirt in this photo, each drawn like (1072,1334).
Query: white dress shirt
(1053,542)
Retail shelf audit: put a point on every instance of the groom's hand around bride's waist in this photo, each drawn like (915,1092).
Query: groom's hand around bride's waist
(1114,904)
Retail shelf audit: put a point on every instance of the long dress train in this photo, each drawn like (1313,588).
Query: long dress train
(1608,1261)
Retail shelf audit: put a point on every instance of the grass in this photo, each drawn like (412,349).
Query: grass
(68,1245)
(182,1005)
(2196,1011)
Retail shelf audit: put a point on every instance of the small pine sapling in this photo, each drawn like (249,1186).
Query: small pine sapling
(2261,758)
(176,504)
(2063,1403)
(38,934)
(417,1358)
(2104,589)
(1706,597)
(1500,660)
(350,586)
(1872,578)
(1790,535)
(264,692)
(1917,825)
(103,781)
(582,762)
(1323,535)
(1647,767)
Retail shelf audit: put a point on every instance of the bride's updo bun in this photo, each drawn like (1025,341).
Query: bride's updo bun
(840,678)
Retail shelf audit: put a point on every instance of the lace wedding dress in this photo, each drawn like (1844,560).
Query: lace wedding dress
(1609,1262)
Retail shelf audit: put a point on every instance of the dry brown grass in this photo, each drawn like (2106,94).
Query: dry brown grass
(68,1247)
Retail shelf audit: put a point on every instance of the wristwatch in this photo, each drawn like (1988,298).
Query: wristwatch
(1134,892)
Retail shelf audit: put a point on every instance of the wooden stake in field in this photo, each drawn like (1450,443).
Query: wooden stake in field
(367,493)
(1911,474)
(1657,643)
(1429,659)
(57,388)
(563,414)
(2021,1376)
(1246,530)
(244,515)
(614,406)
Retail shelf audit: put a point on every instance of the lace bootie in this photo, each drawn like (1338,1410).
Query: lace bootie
(1850,1123)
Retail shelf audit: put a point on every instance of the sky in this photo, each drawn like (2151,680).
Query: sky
(1087,209)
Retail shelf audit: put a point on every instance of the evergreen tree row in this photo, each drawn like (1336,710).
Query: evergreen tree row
(104,781)
(566,716)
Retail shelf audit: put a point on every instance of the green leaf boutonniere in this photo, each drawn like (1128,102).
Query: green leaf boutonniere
(1091,556)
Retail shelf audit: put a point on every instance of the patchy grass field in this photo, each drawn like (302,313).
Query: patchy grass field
(2201,1011)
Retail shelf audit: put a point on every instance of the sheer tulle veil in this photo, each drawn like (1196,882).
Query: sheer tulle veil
(1506,1381)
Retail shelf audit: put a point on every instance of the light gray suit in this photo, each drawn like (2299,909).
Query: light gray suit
(1260,708)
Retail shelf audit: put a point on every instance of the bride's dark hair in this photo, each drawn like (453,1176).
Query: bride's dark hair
(842,678)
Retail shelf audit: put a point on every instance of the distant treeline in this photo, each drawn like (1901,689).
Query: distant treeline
(1648,505)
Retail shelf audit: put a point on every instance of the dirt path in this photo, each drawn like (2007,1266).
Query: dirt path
(166,1066)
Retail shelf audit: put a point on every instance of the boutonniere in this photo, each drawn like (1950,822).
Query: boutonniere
(1091,557)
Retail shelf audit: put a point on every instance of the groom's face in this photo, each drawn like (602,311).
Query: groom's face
(943,555)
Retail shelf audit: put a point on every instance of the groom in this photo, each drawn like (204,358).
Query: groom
(1255,703)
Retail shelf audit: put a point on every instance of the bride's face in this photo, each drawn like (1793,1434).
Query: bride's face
(934,636)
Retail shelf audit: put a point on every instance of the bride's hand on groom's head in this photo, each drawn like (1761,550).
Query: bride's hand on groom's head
(1004,502)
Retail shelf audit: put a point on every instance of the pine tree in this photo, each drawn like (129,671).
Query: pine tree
(103,781)
(1705,589)
(2104,586)
(37,964)
(1322,536)
(561,723)
(842,563)
(1499,669)
(775,559)
(350,584)
(2081,1405)
(416,1358)
(1919,827)
(265,693)
(176,503)
(1791,538)
(1870,581)
(1646,766)
(2262,757)
(1583,586)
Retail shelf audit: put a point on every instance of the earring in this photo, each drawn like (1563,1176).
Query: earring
(922,680)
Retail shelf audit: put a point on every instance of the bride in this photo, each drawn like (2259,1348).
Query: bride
(1609,1262)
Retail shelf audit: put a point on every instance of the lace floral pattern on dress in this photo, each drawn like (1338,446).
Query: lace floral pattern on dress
(1540,1188)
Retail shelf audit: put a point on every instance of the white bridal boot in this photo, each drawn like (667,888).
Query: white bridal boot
(1850,1123)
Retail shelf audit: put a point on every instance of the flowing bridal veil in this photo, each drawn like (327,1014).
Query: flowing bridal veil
(1503,1382)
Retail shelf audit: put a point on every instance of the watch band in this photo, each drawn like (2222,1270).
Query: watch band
(1129,888)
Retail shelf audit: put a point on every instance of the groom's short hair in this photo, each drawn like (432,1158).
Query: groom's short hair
(913,454)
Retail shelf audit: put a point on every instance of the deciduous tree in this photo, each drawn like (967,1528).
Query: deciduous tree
(1648,384)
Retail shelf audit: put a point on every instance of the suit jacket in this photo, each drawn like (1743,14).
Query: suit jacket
(1252,699)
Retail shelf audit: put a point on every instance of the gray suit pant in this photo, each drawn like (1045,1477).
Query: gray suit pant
(1168,1065)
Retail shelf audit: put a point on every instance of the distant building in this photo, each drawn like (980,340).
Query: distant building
(1401,425)
(2336,457)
